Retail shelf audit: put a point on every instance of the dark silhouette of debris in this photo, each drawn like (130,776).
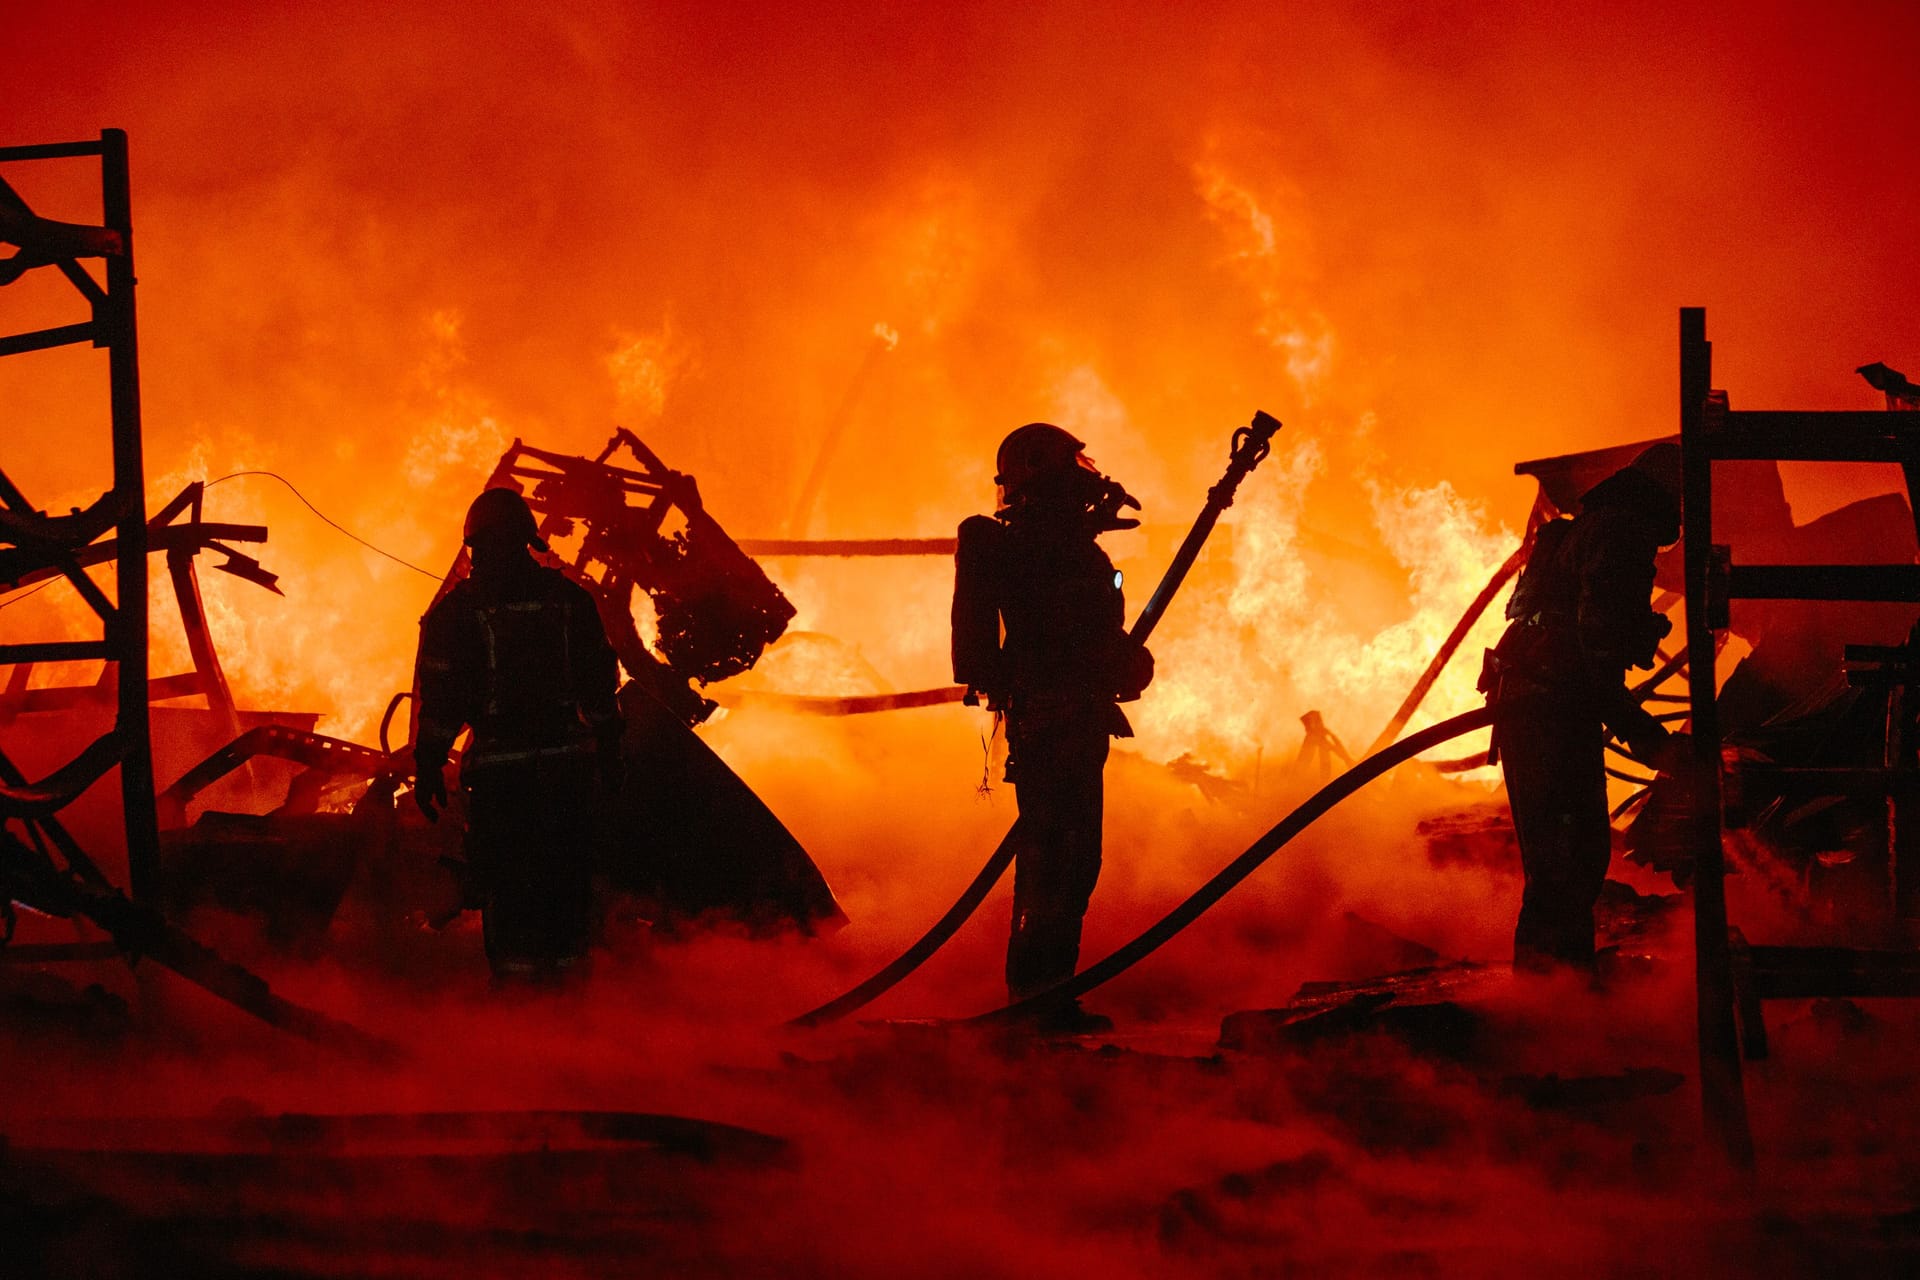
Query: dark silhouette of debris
(1553,1092)
(1901,392)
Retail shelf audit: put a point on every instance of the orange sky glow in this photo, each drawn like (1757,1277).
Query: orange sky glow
(377,242)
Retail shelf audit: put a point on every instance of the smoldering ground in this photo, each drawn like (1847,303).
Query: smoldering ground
(379,242)
(1554,1132)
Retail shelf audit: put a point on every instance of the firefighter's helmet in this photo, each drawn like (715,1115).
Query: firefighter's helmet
(502,517)
(1035,450)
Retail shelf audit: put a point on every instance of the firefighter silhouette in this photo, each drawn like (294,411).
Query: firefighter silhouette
(516,652)
(1039,633)
(1579,618)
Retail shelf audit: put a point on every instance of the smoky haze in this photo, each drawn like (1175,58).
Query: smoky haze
(378,242)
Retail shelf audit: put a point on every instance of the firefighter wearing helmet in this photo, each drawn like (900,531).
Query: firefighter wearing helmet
(517,653)
(1578,620)
(1039,634)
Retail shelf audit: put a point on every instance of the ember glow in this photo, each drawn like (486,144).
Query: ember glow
(823,260)
(379,243)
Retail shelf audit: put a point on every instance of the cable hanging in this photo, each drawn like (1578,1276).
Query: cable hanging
(275,475)
(272,475)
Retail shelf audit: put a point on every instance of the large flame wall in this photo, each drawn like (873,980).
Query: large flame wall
(378,242)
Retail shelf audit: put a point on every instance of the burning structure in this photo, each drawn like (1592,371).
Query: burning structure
(694,840)
(1320,1061)
(709,844)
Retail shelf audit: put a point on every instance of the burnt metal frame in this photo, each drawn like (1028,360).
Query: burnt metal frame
(555,486)
(1729,974)
(112,326)
(660,491)
(183,541)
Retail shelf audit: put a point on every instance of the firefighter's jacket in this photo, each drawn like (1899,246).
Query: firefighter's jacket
(1580,616)
(520,655)
(1039,620)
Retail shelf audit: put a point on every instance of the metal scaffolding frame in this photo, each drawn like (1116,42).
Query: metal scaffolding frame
(1733,978)
(56,540)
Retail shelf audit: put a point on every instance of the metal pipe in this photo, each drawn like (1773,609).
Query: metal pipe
(129,628)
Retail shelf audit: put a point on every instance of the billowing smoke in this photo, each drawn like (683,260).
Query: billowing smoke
(379,242)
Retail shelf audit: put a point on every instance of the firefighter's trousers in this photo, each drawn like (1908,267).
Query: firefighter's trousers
(529,846)
(1554,756)
(1055,767)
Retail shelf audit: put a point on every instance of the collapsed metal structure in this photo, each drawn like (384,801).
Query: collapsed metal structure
(643,528)
(42,865)
(715,846)
(638,527)
(1732,975)
(50,544)
(695,840)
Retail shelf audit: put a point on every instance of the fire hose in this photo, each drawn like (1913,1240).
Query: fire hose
(1257,853)
(1382,759)
(1223,882)
(1251,444)
(1461,629)
(1250,861)
(1373,766)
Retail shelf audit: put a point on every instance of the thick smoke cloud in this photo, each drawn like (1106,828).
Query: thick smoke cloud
(378,242)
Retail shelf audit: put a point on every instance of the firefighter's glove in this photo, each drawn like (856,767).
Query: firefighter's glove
(430,788)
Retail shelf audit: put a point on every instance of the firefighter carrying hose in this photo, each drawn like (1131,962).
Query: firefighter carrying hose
(1579,619)
(517,652)
(1039,632)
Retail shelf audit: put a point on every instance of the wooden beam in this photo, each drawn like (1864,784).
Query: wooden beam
(18,569)
(193,617)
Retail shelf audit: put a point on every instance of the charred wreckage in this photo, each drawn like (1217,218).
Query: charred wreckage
(1806,756)
(694,842)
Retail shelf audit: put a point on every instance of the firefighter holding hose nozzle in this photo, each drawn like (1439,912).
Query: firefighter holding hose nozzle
(1579,618)
(517,652)
(1039,632)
